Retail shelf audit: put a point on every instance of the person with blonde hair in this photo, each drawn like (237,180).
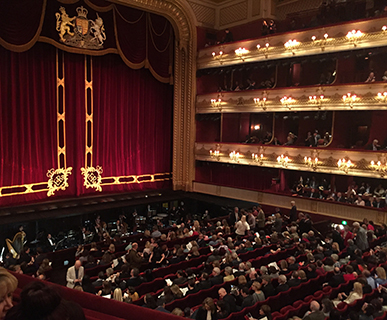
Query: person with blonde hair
(8,284)
(178,312)
(381,278)
(117,295)
(258,295)
(207,311)
(147,249)
(356,294)
(242,281)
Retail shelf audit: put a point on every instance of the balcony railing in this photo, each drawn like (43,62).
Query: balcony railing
(370,33)
(371,164)
(359,96)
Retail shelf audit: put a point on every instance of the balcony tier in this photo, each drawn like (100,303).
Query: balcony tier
(327,39)
(369,96)
(327,159)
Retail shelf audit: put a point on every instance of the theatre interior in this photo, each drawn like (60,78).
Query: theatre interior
(201,159)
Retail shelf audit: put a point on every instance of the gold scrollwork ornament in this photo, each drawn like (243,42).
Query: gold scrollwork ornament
(92,177)
(58,179)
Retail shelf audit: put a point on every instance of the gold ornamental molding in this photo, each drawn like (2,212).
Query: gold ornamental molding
(58,178)
(92,176)
(329,39)
(143,178)
(372,164)
(359,96)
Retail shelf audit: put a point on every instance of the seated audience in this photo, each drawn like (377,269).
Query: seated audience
(39,301)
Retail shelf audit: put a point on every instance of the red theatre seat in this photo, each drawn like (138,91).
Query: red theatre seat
(95,305)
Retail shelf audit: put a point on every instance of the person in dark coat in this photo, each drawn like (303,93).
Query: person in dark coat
(228,298)
(216,278)
(336,279)
(248,299)
(293,211)
(267,287)
(133,257)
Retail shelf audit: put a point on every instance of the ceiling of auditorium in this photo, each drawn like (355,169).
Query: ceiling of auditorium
(214,1)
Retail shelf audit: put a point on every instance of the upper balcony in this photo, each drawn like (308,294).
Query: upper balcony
(356,35)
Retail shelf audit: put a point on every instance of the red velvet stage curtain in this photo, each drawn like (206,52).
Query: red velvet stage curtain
(132,122)
(75,120)
(27,118)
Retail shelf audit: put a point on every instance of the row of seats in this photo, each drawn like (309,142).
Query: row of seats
(96,307)
(275,302)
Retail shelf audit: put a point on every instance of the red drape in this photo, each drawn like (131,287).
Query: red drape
(132,121)
(28,116)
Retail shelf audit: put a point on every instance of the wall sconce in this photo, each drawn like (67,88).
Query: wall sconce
(283,160)
(218,57)
(317,100)
(215,154)
(216,103)
(265,49)
(287,101)
(291,44)
(324,41)
(241,52)
(379,167)
(349,99)
(344,165)
(384,28)
(353,36)
(312,163)
(234,156)
(382,97)
(257,158)
(261,103)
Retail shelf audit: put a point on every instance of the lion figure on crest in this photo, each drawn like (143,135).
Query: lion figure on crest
(63,23)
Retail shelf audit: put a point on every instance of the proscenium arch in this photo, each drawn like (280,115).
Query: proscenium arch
(183,20)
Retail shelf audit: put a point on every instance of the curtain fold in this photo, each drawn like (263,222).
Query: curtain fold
(140,38)
(27,116)
(20,22)
(132,122)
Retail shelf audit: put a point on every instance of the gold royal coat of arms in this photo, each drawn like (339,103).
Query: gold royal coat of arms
(79,31)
